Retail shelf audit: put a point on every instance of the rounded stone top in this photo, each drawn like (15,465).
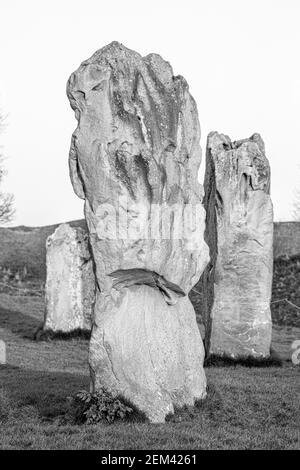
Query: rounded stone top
(123,64)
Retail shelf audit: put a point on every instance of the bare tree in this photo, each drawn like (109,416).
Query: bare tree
(7,210)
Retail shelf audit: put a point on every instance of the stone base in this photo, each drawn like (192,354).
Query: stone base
(147,351)
(241,340)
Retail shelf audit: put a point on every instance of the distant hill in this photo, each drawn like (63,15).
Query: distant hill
(25,246)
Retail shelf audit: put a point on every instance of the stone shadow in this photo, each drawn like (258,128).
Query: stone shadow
(45,391)
(18,323)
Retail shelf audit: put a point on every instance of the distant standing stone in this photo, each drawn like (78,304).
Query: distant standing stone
(239,231)
(2,352)
(70,284)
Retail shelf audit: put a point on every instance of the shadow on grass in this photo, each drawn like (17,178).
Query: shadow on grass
(45,396)
(48,335)
(18,323)
(273,360)
(47,392)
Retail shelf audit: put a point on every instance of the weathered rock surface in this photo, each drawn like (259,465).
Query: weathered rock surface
(2,352)
(70,283)
(239,231)
(134,158)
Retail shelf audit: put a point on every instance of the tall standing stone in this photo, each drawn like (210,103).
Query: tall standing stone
(70,283)
(134,158)
(239,231)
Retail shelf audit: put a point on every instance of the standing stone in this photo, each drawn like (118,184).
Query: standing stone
(239,231)
(134,158)
(2,352)
(70,284)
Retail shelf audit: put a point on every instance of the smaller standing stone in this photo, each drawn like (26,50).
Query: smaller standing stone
(70,284)
(237,282)
(2,352)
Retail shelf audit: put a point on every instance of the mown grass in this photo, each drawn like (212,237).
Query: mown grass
(242,411)
(246,408)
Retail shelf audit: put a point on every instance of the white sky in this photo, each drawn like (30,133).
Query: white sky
(241,59)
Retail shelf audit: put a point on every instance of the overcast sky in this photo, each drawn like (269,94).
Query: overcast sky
(241,59)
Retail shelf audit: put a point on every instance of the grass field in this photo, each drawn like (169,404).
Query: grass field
(246,408)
